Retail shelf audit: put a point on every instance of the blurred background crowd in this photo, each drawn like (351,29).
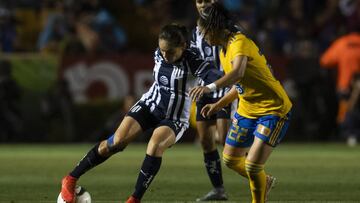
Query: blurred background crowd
(68,66)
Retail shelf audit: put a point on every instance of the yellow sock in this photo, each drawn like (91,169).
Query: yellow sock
(235,163)
(257,180)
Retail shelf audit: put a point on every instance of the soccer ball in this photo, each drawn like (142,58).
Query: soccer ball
(82,196)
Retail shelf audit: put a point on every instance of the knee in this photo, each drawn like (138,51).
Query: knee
(232,162)
(228,162)
(207,143)
(155,148)
(253,168)
(110,147)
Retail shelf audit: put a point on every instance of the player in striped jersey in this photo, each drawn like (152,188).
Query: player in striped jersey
(264,109)
(220,121)
(164,108)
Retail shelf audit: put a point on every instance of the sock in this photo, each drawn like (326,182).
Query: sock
(149,169)
(213,168)
(90,160)
(257,180)
(235,163)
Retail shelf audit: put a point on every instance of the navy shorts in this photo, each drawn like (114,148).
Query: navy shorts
(224,113)
(147,120)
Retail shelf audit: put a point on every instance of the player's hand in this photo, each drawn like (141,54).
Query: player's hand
(208,110)
(197,92)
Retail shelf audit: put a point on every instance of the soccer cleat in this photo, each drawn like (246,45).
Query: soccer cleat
(213,195)
(68,184)
(132,199)
(270,183)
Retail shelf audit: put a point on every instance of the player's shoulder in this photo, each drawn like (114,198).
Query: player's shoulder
(239,36)
(190,53)
(157,55)
(195,30)
(195,33)
(157,51)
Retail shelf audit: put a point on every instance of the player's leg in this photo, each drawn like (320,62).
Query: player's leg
(130,127)
(238,141)
(269,132)
(222,126)
(212,162)
(223,122)
(127,131)
(162,138)
(254,164)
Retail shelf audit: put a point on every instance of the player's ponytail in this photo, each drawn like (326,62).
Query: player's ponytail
(174,34)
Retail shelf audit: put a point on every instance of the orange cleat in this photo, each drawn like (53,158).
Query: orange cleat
(132,199)
(68,184)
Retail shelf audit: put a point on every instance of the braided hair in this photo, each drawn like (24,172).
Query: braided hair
(176,35)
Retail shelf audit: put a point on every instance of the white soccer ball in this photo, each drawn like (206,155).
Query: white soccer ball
(82,196)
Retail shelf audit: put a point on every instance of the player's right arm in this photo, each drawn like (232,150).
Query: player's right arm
(229,97)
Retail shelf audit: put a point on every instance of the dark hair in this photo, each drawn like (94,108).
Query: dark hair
(217,18)
(174,34)
(214,18)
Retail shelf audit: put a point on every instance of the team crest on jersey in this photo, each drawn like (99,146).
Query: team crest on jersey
(239,88)
(208,51)
(164,80)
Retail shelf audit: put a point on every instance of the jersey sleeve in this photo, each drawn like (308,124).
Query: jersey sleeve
(240,46)
(206,70)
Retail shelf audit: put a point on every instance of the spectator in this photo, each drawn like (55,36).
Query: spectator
(344,54)
(350,127)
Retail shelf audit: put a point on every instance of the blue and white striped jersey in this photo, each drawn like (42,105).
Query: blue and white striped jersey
(208,53)
(168,97)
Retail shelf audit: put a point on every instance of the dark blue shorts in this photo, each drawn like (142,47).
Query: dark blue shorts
(270,128)
(142,114)
(224,113)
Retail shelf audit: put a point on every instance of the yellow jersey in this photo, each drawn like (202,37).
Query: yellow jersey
(259,92)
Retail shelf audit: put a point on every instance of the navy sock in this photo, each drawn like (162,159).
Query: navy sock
(149,169)
(213,168)
(90,160)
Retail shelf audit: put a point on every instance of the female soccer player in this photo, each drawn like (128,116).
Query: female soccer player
(264,108)
(219,121)
(165,108)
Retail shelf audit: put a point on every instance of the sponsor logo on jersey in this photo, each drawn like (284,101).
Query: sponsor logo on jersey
(164,80)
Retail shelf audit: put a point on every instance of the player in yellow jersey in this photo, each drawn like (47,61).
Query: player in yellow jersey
(264,108)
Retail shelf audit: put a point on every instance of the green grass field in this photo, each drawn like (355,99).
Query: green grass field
(305,173)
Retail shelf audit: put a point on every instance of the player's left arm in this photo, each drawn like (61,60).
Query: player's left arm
(238,70)
(210,109)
